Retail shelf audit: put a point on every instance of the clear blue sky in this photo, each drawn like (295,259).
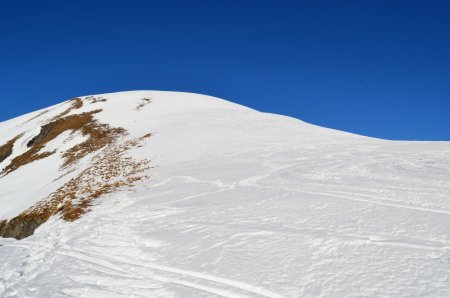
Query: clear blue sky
(377,68)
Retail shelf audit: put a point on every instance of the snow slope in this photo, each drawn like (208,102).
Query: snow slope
(238,203)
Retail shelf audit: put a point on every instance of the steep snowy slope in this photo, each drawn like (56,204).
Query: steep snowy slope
(163,194)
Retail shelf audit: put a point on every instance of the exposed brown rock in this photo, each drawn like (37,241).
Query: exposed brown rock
(99,135)
(7,149)
(110,170)
(22,225)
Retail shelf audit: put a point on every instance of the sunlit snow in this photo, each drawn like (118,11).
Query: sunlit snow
(239,203)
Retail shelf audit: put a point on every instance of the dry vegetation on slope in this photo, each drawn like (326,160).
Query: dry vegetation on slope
(110,169)
(99,136)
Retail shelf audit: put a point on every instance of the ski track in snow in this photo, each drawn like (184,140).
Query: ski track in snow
(244,204)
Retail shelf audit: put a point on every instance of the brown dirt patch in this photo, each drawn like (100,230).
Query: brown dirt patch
(75,103)
(7,149)
(99,136)
(111,170)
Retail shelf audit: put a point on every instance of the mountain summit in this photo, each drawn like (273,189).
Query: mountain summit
(170,194)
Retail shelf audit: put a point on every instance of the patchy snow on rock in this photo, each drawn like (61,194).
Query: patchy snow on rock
(233,203)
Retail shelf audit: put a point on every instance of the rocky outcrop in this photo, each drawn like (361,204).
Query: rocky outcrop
(110,168)
(22,226)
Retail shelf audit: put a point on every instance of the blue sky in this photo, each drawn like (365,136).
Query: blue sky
(377,68)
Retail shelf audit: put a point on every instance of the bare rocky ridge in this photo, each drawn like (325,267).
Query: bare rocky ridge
(110,168)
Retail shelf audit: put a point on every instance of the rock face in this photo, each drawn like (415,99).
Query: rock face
(163,194)
(22,226)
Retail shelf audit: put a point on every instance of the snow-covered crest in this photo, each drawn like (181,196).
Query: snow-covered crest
(231,202)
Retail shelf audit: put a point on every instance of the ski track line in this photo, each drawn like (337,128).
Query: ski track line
(220,280)
(95,261)
(201,195)
(366,195)
(216,291)
(322,233)
(331,194)
(385,187)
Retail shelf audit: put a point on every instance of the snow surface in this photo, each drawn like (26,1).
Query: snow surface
(239,204)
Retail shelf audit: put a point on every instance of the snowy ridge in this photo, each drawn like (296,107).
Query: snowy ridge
(235,203)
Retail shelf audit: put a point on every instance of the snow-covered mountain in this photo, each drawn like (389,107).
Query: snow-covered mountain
(165,194)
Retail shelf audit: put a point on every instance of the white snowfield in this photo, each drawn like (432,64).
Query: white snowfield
(239,203)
